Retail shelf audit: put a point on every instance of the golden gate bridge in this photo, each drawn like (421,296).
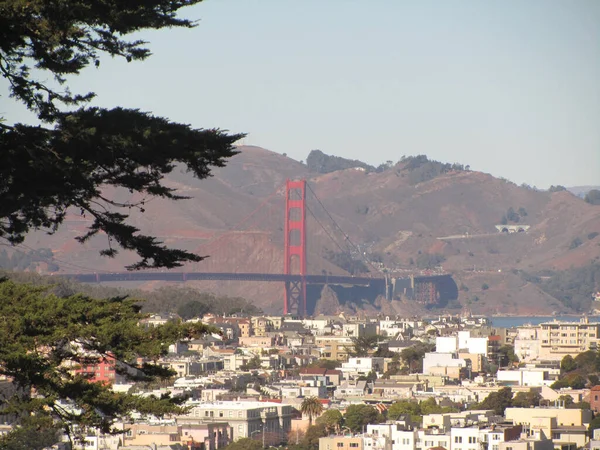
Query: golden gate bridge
(426,289)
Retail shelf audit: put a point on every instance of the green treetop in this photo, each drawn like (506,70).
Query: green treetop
(46,338)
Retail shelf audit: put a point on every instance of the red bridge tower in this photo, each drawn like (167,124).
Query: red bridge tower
(295,247)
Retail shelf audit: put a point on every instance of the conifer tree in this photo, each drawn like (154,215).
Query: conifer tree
(76,152)
(47,340)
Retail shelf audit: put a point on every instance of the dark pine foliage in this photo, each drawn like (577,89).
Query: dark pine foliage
(78,153)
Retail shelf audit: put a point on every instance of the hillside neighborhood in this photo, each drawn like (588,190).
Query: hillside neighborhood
(351,383)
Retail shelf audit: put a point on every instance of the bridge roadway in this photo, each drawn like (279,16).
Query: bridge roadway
(189,276)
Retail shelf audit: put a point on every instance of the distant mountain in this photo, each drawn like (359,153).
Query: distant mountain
(405,217)
(319,162)
(580,191)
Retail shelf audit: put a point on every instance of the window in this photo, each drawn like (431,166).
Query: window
(458,440)
(472,440)
(340,444)
(353,444)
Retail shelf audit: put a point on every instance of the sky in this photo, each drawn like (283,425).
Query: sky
(508,87)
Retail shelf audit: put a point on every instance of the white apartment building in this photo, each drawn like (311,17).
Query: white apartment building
(391,327)
(443,364)
(317,326)
(361,366)
(559,339)
(527,343)
(427,439)
(462,341)
(400,436)
(528,376)
(245,418)
(466,438)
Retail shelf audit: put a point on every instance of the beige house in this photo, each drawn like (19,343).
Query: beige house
(262,326)
(561,425)
(333,347)
(341,443)
(262,342)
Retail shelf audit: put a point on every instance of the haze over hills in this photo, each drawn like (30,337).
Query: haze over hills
(409,216)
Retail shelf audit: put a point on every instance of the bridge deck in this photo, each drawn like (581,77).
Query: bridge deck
(204,276)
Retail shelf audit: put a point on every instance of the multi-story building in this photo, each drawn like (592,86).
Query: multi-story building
(559,339)
(103,371)
(262,342)
(359,329)
(402,436)
(333,347)
(527,343)
(213,435)
(262,326)
(595,399)
(446,364)
(363,442)
(246,418)
(462,341)
(561,425)
(182,366)
(528,376)
(362,366)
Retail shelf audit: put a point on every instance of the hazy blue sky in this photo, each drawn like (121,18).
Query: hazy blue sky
(509,87)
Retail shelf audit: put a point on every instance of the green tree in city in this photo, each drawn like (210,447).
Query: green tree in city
(362,345)
(526,399)
(332,419)
(311,407)
(404,407)
(253,363)
(359,416)
(413,356)
(497,401)
(46,337)
(312,435)
(325,364)
(76,153)
(567,364)
(507,355)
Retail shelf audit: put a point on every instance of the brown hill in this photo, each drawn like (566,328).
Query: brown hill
(406,217)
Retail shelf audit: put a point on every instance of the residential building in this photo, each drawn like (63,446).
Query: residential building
(595,399)
(262,342)
(103,371)
(363,442)
(561,425)
(330,377)
(445,364)
(401,435)
(528,376)
(527,343)
(245,418)
(559,339)
(333,347)
(362,366)
(359,329)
